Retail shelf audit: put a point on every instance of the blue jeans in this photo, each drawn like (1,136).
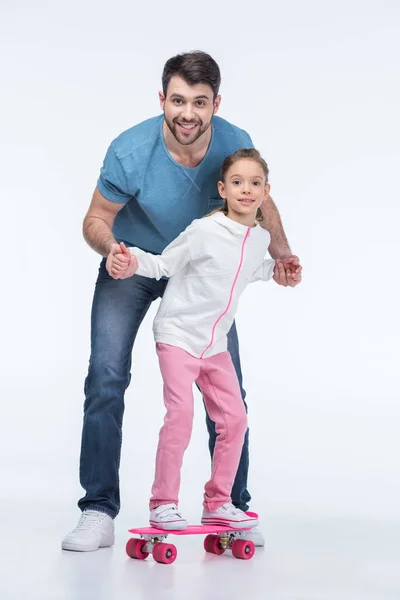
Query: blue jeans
(119,307)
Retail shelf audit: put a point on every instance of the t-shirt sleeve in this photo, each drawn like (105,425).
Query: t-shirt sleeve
(247,141)
(112,182)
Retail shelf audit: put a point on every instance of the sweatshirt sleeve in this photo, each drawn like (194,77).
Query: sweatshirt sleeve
(265,271)
(174,258)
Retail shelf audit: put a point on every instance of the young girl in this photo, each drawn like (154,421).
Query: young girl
(209,266)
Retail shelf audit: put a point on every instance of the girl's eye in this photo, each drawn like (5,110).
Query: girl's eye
(236,182)
(256,182)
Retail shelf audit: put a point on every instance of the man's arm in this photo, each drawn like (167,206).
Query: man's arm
(287,271)
(279,246)
(98,223)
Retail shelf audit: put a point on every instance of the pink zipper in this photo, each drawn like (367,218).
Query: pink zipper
(231,294)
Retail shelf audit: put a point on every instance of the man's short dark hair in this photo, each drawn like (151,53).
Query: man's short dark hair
(194,67)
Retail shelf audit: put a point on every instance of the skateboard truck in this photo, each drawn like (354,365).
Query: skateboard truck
(151,541)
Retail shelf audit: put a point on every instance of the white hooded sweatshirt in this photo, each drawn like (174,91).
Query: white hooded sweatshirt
(209,265)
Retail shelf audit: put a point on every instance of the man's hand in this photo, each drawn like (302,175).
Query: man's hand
(287,271)
(121,264)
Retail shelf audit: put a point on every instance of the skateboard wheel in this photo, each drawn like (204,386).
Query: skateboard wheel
(212,545)
(164,553)
(134,548)
(243,549)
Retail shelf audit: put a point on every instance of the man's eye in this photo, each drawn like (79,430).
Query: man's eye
(201,103)
(177,101)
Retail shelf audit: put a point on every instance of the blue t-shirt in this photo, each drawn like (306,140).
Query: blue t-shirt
(162,197)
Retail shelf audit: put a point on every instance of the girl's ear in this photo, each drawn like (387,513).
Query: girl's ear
(267,191)
(221,189)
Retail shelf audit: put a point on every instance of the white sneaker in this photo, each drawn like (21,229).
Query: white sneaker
(228,515)
(94,530)
(255,535)
(167,516)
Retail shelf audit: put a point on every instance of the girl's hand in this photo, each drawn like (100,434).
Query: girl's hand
(131,268)
(118,260)
(129,263)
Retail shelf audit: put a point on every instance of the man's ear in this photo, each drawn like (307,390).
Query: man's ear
(217,102)
(162,100)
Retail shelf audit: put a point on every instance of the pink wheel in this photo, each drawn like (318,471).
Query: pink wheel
(243,549)
(212,545)
(164,553)
(134,548)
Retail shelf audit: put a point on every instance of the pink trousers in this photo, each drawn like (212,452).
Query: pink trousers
(218,382)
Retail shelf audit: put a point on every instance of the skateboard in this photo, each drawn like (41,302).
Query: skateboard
(218,539)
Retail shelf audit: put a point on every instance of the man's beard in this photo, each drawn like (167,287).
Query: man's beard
(183,139)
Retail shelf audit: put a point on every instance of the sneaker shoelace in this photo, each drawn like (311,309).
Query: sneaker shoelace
(89,520)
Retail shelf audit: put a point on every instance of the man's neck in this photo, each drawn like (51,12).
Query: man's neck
(187,156)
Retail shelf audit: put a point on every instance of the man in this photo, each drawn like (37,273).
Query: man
(157,177)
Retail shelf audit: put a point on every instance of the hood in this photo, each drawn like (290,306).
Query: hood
(234,227)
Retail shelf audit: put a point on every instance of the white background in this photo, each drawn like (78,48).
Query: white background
(316,84)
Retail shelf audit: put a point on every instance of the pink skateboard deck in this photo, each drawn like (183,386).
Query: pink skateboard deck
(218,539)
(191,530)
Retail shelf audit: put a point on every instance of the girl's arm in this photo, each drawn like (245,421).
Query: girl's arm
(175,256)
(265,271)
